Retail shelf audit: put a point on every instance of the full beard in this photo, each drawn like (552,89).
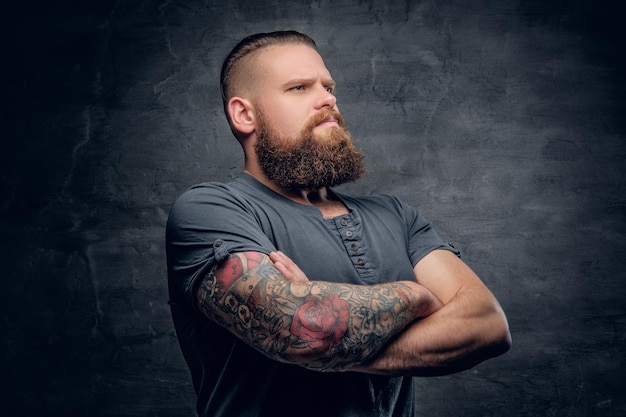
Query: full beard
(310,161)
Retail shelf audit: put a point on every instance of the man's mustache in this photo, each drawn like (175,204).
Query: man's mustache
(326,115)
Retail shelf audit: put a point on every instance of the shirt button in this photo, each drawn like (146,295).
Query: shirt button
(361,262)
(355,248)
(349,233)
(344,222)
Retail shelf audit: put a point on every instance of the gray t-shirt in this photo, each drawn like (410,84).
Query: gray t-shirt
(381,239)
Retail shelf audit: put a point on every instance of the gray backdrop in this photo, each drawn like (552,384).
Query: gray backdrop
(502,121)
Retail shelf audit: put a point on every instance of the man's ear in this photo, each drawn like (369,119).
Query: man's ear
(241,115)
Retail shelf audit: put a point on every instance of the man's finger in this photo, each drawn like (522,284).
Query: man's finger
(287,267)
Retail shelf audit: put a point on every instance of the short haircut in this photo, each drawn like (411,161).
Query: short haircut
(248,45)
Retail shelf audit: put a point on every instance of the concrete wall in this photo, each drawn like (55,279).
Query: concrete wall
(503,121)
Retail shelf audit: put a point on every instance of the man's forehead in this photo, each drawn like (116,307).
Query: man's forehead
(292,60)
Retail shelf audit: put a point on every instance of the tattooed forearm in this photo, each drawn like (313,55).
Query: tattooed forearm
(319,325)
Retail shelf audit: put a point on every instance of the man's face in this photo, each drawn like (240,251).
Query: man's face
(302,141)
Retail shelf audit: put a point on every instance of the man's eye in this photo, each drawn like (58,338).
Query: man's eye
(298,88)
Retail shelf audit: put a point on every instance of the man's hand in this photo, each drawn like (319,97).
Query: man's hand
(287,267)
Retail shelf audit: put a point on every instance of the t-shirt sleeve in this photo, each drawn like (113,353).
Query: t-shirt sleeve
(422,237)
(206,225)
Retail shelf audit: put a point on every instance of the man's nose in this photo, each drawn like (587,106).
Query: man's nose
(326,99)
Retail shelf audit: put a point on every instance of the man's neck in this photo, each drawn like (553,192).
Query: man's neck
(328,204)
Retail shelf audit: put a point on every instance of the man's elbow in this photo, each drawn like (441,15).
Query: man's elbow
(506,341)
(501,340)
(495,341)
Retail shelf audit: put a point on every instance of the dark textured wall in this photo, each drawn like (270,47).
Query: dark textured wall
(503,121)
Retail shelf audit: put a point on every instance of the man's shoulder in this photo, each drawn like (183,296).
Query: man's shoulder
(203,193)
(209,190)
(211,204)
(208,187)
(242,194)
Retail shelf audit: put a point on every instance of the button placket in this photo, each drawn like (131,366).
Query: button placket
(352,240)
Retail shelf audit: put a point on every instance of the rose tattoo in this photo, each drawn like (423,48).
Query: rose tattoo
(321,323)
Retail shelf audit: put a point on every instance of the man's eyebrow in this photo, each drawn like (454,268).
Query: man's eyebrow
(305,80)
(298,81)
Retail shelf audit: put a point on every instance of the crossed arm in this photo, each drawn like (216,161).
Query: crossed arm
(319,325)
(469,328)
(445,322)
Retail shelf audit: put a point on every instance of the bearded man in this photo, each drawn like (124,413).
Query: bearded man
(290,298)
